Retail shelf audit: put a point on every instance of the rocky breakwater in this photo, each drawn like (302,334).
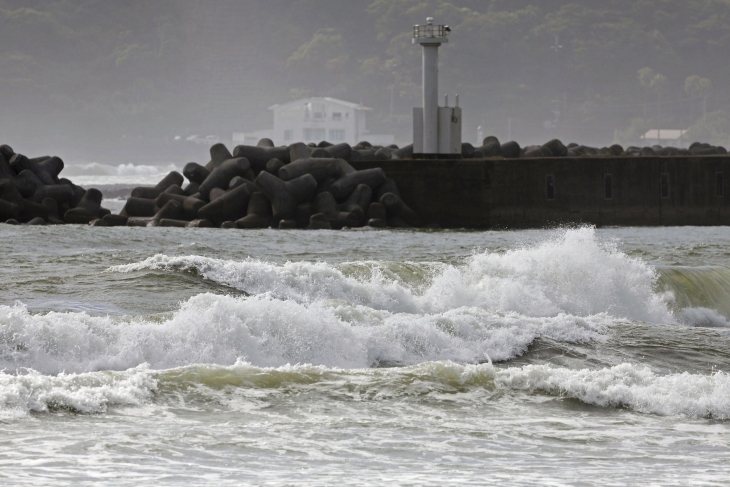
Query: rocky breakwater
(294,187)
(31,192)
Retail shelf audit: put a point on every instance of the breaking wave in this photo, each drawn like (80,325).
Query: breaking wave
(624,386)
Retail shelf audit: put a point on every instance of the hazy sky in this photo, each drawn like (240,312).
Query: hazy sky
(117,79)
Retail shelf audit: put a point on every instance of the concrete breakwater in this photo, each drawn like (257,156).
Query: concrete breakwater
(294,187)
(32,192)
(333,186)
(543,192)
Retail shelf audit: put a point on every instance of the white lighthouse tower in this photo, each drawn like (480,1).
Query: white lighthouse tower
(436,130)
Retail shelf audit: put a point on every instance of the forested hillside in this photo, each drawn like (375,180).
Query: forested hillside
(81,70)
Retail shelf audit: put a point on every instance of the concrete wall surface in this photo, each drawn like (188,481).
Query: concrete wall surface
(501,193)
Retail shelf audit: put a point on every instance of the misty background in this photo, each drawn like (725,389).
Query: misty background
(117,81)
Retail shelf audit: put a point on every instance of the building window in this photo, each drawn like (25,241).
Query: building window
(608,186)
(337,135)
(289,134)
(550,187)
(313,135)
(665,185)
(719,185)
(337,116)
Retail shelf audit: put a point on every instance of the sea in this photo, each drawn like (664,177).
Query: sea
(568,356)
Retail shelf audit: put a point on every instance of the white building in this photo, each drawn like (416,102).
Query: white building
(665,138)
(314,120)
(317,119)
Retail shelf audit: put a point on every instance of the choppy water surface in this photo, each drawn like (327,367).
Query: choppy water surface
(135,356)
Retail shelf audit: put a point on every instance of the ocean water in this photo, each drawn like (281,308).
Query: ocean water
(575,356)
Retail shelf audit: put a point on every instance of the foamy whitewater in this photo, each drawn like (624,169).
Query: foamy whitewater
(136,356)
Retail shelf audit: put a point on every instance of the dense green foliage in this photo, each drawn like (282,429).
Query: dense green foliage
(106,69)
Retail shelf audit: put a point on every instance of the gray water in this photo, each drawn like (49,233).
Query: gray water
(136,356)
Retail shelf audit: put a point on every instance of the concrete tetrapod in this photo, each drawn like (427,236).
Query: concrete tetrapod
(240,181)
(53,166)
(358,202)
(299,151)
(303,214)
(153,192)
(78,191)
(25,187)
(195,172)
(216,193)
(344,186)
(389,186)
(339,151)
(89,208)
(7,152)
(285,196)
(377,211)
(325,203)
(8,210)
(6,172)
(556,148)
(265,142)
(27,210)
(320,169)
(20,163)
(222,175)
(139,207)
(115,220)
(511,150)
(54,215)
(219,154)
(404,152)
(319,221)
(398,209)
(229,207)
(490,148)
(62,193)
(259,156)
(174,189)
(191,189)
(258,214)
(173,210)
(273,166)
(36,221)
(191,206)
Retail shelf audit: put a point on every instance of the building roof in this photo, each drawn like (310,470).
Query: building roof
(664,134)
(304,101)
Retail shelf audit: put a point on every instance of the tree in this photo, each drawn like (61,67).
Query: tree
(697,87)
(645,77)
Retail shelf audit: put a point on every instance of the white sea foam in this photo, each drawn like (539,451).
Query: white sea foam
(96,173)
(270,332)
(704,317)
(83,393)
(627,385)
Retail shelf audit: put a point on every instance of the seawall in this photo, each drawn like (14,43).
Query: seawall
(516,193)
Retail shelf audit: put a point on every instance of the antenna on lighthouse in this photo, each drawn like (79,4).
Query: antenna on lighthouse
(436,130)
